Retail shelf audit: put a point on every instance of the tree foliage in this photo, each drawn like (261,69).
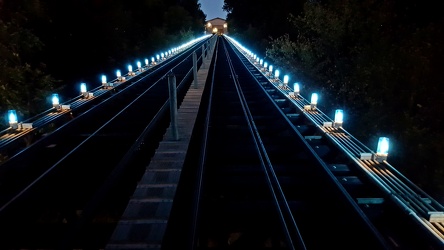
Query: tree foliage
(23,81)
(254,22)
(381,62)
(52,45)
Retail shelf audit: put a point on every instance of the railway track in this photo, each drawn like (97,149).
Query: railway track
(266,171)
(32,129)
(68,189)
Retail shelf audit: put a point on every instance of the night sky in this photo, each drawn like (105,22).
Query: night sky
(213,8)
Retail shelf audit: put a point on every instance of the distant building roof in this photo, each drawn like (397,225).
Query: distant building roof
(216,26)
(218,18)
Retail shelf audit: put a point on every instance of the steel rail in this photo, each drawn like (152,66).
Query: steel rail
(49,115)
(351,201)
(54,166)
(392,185)
(272,179)
(351,147)
(203,156)
(123,86)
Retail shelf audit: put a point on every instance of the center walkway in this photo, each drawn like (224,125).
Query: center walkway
(143,224)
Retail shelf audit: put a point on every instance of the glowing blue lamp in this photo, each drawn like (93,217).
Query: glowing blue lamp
(55,100)
(12,116)
(12,119)
(276,74)
(270,68)
(314,99)
(339,118)
(296,89)
(383,146)
(286,80)
(83,88)
(382,149)
(130,68)
(147,62)
(139,65)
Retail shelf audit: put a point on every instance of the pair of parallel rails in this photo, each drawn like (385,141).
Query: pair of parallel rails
(272,172)
(68,188)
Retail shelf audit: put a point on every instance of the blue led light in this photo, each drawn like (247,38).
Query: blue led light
(296,87)
(339,116)
(383,146)
(82,87)
(55,99)
(314,99)
(12,116)
(286,79)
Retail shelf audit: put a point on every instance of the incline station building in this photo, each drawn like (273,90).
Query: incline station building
(216,26)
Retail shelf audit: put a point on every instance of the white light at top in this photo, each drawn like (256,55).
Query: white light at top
(146,62)
(383,146)
(276,73)
(12,116)
(82,87)
(265,65)
(139,65)
(270,68)
(162,55)
(152,59)
(55,99)
(118,74)
(296,88)
(286,79)
(130,68)
(339,116)
(314,99)
(261,61)
(158,57)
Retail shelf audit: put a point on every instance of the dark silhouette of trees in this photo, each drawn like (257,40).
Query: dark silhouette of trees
(52,45)
(23,80)
(378,60)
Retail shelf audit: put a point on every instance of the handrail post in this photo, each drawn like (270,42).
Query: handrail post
(195,69)
(203,56)
(173,105)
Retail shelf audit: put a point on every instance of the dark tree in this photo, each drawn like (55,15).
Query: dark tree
(378,60)
(76,41)
(24,82)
